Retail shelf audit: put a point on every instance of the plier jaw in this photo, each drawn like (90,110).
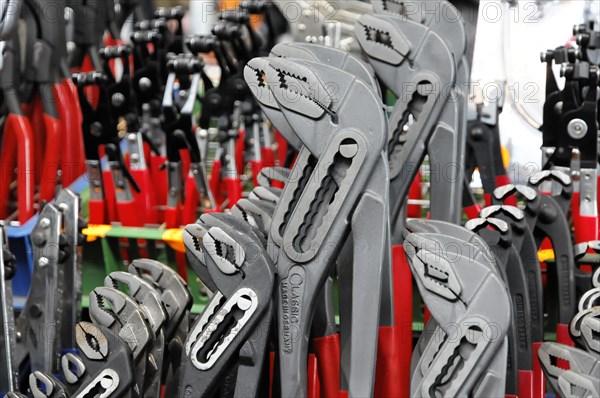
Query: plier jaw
(106,360)
(234,321)
(454,294)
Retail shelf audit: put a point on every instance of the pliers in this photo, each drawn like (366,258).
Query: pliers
(579,378)
(453,291)
(100,129)
(432,329)
(395,47)
(221,103)
(586,255)
(177,301)
(41,77)
(584,326)
(234,323)
(445,174)
(17,141)
(151,306)
(120,313)
(314,213)
(107,363)
(546,219)
(43,385)
(43,307)
(180,136)
(125,111)
(69,204)
(499,236)
(574,128)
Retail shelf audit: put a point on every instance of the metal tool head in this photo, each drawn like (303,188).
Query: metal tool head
(459,291)
(115,310)
(13,394)
(500,227)
(91,341)
(268,195)
(576,385)
(550,175)
(511,214)
(437,260)
(107,359)
(419,225)
(72,367)
(43,385)
(404,52)
(174,293)
(442,17)
(590,299)
(584,326)
(581,249)
(318,98)
(331,56)
(557,183)
(382,41)
(227,254)
(408,9)
(254,74)
(192,239)
(268,175)
(435,273)
(577,360)
(255,212)
(527,193)
(143,293)
(244,276)
(225,220)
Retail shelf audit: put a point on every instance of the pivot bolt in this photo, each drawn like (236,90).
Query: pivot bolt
(577,129)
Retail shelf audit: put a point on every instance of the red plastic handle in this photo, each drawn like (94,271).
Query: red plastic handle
(282,148)
(190,212)
(110,196)
(256,166)
(234,190)
(72,162)
(539,381)
(18,132)
(97,212)
(586,228)
(472,211)
(158,173)
(414,211)
(501,181)
(129,214)
(563,336)
(389,381)
(240,147)
(525,384)
(172,217)
(403,315)
(144,198)
(215,181)
(488,199)
(327,351)
(268,156)
(313,378)
(51,162)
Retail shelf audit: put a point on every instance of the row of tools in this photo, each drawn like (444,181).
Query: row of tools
(297,227)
